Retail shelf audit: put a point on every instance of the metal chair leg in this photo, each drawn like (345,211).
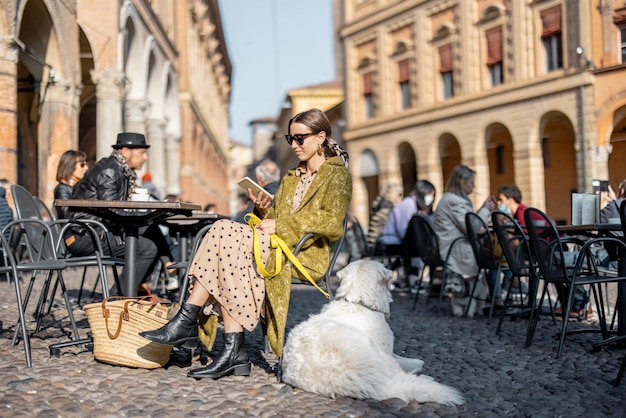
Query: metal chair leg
(620,373)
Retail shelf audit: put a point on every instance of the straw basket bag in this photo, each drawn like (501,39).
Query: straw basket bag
(116,323)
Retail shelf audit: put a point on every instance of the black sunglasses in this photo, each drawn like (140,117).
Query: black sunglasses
(299,138)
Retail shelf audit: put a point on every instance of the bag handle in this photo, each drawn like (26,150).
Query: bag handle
(124,314)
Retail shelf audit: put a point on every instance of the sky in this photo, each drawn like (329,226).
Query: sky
(274,46)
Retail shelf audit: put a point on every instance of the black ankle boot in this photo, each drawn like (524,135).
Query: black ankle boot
(182,330)
(233,359)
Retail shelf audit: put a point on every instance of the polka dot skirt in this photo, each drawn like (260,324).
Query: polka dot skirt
(224,265)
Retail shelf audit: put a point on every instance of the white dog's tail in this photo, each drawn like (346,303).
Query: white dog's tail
(422,388)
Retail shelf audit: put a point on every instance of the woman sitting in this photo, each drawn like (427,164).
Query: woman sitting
(313,197)
(72,167)
(449,221)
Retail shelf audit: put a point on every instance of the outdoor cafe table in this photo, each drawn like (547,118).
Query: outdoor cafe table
(604,229)
(186,227)
(136,214)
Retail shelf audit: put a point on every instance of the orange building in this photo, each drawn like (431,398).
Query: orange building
(531,93)
(74,74)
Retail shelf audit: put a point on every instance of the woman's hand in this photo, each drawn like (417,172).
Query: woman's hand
(262,201)
(606,197)
(490,204)
(267,225)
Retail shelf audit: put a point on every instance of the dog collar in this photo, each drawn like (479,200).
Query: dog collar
(386,314)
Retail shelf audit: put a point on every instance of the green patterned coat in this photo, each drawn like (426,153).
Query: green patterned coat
(321,211)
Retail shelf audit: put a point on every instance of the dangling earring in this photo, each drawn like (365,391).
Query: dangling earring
(320,150)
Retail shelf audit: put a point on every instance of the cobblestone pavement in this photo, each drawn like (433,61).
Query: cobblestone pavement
(496,374)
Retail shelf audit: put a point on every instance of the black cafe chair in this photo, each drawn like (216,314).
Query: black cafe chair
(620,372)
(44,210)
(516,251)
(42,258)
(421,234)
(28,206)
(480,239)
(549,250)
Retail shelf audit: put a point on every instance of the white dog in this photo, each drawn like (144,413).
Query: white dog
(459,289)
(347,349)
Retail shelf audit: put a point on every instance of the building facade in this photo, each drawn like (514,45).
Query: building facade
(524,92)
(74,74)
(205,73)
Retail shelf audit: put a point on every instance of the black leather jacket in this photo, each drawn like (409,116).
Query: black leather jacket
(104,181)
(63,191)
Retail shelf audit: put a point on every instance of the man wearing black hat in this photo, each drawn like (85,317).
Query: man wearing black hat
(114,178)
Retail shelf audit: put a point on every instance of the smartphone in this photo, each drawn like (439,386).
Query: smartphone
(599,186)
(247,183)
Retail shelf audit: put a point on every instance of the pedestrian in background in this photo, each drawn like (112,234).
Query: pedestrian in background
(389,196)
(153,191)
(267,175)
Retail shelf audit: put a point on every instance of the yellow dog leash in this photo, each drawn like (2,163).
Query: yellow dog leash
(281,247)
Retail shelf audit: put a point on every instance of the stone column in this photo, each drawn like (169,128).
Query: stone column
(157,164)
(136,112)
(110,89)
(600,169)
(172,155)
(9,53)
(58,129)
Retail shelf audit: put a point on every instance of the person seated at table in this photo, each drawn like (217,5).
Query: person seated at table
(114,178)
(390,195)
(420,200)
(509,200)
(313,197)
(610,203)
(71,168)
(449,222)
(267,174)
(606,256)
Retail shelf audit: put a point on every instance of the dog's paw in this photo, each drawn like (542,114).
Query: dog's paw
(458,311)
